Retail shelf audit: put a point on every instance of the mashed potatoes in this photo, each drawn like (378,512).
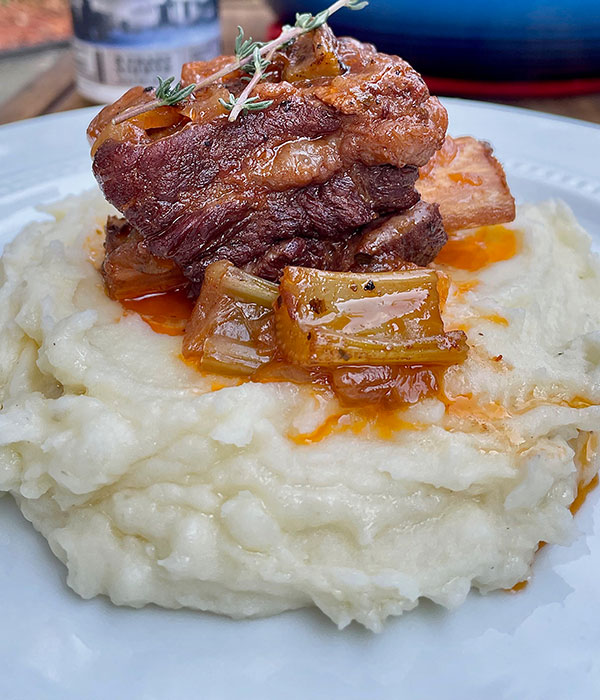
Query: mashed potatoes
(151,486)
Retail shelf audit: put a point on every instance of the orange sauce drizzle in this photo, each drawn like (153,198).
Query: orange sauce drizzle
(496,318)
(464,287)
(95,255)
(493,318)
(579,402)
(582,494)
(166,312)
(385,423)
(466,179)
(583,459)
(518,586)
(336,423)
(466,406)
(475,249)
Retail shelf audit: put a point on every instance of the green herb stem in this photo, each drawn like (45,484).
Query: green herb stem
(259,67)
(247,52)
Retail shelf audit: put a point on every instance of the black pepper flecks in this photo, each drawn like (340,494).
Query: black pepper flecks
(317,305)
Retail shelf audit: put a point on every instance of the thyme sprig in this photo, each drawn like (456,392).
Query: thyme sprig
(244,102)
(245,47)
(258,63)
(308,22)
(172,95)
(165,95)
(250,104)
(247,52)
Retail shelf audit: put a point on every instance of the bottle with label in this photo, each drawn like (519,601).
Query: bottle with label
(121,43)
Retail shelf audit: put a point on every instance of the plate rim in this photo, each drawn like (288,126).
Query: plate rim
(96,671)
(468,103)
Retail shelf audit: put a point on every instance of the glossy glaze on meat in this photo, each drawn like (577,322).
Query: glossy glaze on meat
(414,235)
(295,183)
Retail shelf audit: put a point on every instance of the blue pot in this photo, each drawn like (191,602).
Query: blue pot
(497,40)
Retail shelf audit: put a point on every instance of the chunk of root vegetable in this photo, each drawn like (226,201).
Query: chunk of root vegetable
(339,318)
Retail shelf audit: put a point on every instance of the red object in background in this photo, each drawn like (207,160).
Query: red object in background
(513,89)
(542,88)
(25,23)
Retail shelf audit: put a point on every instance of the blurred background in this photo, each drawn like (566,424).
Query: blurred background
(63,54)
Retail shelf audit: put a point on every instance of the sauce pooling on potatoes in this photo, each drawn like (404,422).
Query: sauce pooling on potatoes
(166,312)
(584,457)
(386,386)
(476,249)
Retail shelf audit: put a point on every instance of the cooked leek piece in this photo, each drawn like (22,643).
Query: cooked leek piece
(224,355)
(231,327)
(334,318)
(246,287)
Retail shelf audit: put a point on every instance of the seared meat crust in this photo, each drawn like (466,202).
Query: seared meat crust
(415,235)
(130,269)
(154,183)
(294,183)
(468,184)
(305,223)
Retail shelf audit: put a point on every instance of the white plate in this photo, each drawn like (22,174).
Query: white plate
(543,643)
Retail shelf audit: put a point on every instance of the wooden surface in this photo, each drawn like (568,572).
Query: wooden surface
(52,87)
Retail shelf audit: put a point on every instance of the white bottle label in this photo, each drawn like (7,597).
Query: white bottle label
(125,66)
(121,43)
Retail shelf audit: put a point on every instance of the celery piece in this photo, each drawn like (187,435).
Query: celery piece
(338,318)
